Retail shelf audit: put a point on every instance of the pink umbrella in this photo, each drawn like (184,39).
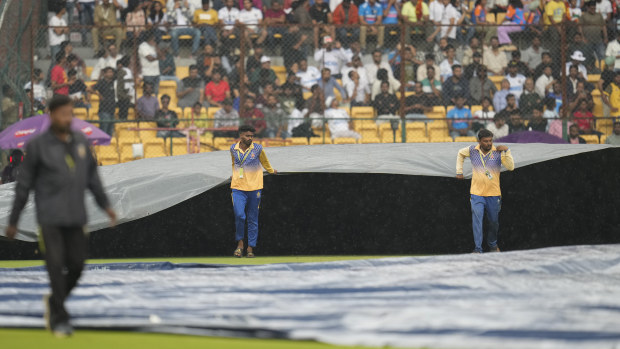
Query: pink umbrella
(18,134)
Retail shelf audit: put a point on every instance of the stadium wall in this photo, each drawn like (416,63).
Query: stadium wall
(566,201)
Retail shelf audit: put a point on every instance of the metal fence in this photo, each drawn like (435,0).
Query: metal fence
(393,82)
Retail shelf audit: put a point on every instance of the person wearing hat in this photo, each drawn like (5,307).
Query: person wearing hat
(331,56)
(577,59)
(265,74)
(594,31)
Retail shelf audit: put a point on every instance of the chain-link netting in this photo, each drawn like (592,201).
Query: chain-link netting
(168,78)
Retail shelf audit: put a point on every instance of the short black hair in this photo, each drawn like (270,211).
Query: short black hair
(59,56)
(72,72)
(484,133)
(246,128)
(510,95)
(165,96)
(192,67)
(456,66)
(37,72)
(58,101)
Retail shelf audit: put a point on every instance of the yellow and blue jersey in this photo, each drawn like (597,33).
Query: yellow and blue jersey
(492,162)
(248,166)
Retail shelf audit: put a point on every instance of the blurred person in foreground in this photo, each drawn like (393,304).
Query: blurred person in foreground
(248,161)
(486,160)
(10,172)
(59,167)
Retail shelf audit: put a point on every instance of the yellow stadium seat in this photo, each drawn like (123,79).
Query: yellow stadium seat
(594,78)
(475,108)
(345,140)
(274,142)
(182,71)
(497,80)
(389,137)
(603,139)
(416,133)
(279,69)
(179,149)
(435,133)
(126,153)
(80,113)
(124,133)
(368,139)
(411,138)
(154,150)
(466,139)
(491,18)
(298,141)
(88,71)
(439,109)
(368,133)
(221,143)
(590,139)
(440,139)
(319,140)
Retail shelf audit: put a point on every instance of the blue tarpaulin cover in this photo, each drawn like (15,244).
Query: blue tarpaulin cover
(564,298)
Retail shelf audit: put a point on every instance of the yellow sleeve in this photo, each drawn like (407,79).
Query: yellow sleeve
(232,157)
(508,161)
(265,162)
(460,158)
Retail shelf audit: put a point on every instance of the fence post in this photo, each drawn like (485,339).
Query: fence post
(242,86)
(403,31)
(563,50)
(32,68)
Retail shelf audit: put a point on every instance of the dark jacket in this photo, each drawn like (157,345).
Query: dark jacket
(59,173)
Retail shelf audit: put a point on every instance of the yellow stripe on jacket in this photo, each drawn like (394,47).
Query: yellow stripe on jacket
(481,185)
(252,167)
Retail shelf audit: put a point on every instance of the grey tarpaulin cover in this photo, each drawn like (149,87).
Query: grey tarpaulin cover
(555,298)
(145,187)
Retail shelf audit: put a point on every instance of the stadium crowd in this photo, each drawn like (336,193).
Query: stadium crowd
(452,51)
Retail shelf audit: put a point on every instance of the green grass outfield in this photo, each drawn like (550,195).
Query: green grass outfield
(40,339)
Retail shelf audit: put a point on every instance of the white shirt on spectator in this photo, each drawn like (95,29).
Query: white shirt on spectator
(182,21)
(372,68)
(516,84)
(532,57)
(228,17)
(250,18)
(362,90)
(332,60)
(498,132)
(360,71)
(613,50)
(309,77)
(193,5)
(484,116)
(338,120)
(148,68)
(449,13)
(55,39)
(445,68)
(542,82)
(436,9)
(102,63)
(296,118)
(604,8)
(162,21)
(38,91)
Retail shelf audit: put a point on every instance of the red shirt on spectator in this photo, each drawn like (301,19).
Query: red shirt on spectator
(274,14)
(583,120)
(59,76)
(217,91)
(254,118)
(339,15)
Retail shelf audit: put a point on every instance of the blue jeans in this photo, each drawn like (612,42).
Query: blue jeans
(491,205)
(246,201)
(106,125)
(87,15)
(209,34)
(176,32)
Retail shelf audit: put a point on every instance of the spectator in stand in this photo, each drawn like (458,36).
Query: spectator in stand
(594,30)
(167,118)
(104,88)
(460,119)
(494,59)
(573,135)
(546,61)
(522,68)
(217,90)
(226,117)
(580,45)
(581,93)
(86,12)
(206,20)
(106,24)
(228,16)
(276,120)
(515,79)
(529,99)
(253,117)
(445,68)
(11,171)
(37,85)
(356,65)
(417,104)
(481,86)
(485,115)
(274,17)
(332,56)
(584,119)
(167,67)
(550,108)
(607,77)
(611,96)
(450,22)
(321,19)
(327,83)
(499,98)
(454,86)
(544,84)
(484,28)
(190,90)
(58,31)
(432,87)
(383,76)
(181,17)
(371,14)
(555,14)
(470,51)
(511,103)
(386,104)
(125,87)
(513,22)
(77,91)
(149,60)
(315,105)
(606,10)
(252,18)
(411,64)
(253,62)
(338,120)
(135,22)
(577,59)
(294,45)
(10,109)
(537,122)
(532,56)
(429,60)
(289,99)
(307,75)
(158,20)
(358,91)
(109,60)
(376,64)
(264,75)
(147,105)
(60,82)
(391,9)
(516,122)
(498,127)
(436,9)
(261,100)
(614,138)
(560,127)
